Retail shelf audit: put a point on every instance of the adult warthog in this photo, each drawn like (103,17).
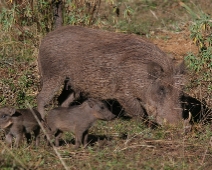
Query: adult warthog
(108,65)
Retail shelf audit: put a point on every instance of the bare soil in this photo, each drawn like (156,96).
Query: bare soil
(176,44)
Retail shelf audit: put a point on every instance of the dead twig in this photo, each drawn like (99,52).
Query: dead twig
(47,136)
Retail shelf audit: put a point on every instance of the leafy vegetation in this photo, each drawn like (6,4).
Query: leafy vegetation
(201,63)
(122,143)
(22,27)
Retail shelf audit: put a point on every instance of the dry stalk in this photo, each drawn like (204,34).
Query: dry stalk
(209,144)
(134,146)
(129,139)
(15,157)
(47,136)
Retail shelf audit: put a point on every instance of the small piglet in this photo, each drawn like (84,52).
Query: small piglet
(19,122)
(77,119)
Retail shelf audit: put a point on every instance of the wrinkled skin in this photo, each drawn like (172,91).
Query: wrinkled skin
(19,122)
(77,119)
(107,65)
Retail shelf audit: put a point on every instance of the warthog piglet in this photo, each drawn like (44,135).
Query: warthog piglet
(77,119)
(19,122)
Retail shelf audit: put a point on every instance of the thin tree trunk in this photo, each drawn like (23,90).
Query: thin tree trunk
(58,13)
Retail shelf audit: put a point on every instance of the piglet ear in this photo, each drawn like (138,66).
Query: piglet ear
(91,102)
(10,110)
(14,113)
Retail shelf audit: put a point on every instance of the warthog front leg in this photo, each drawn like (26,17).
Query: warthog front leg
(49,89)
(132,106)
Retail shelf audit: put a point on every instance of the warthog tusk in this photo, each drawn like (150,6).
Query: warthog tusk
(189,118)
(8,124)
(187,126)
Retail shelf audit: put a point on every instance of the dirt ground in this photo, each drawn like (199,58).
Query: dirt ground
(177,45)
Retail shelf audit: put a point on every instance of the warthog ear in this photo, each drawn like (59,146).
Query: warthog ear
(15,113)
(154,70)
(180,68)
(91,102)
(11,110)
(180,73)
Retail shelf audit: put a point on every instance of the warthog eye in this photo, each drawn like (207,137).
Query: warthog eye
(162,90)
(102,107)
(3,116)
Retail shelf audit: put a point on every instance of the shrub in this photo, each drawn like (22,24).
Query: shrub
(200,64)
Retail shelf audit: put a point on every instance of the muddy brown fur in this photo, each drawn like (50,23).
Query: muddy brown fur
(107,65)
(77,119)
(19,122)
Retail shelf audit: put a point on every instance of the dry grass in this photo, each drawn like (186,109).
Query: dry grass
(120,144)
